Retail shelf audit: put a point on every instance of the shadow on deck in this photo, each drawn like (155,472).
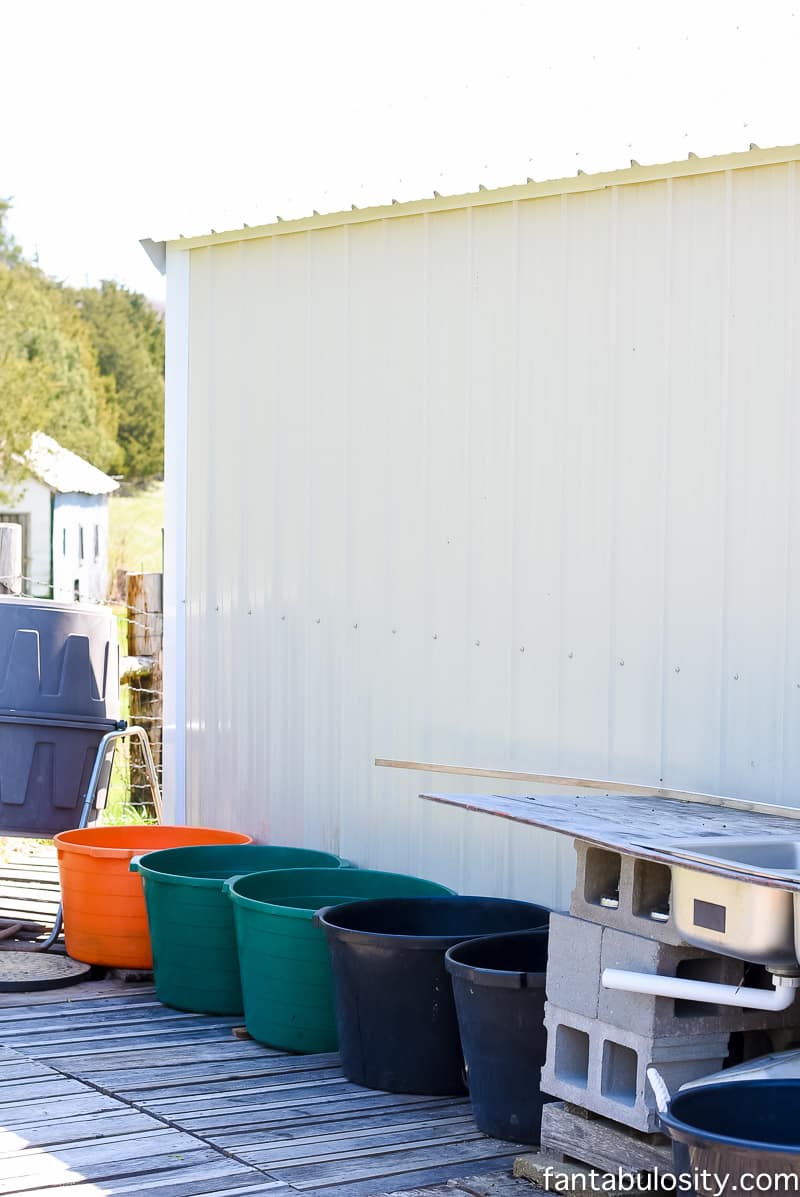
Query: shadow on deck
(106,1091)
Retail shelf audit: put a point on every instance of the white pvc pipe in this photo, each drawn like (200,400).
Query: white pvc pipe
(779,998)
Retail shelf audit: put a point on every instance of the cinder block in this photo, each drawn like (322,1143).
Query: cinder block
(579,951)
(603,1067)
(573,964)
(641,889)
(664,1017)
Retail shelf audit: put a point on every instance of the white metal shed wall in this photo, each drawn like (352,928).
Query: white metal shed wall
(511,485)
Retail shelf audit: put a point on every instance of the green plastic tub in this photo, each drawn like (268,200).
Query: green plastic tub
(283,957)
(192,930)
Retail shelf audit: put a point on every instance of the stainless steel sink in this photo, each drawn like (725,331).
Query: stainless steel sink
(739,917)
(766,857)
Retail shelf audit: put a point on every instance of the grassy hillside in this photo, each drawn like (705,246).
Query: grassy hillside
(136,517)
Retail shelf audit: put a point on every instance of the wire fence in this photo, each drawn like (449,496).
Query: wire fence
(141,705)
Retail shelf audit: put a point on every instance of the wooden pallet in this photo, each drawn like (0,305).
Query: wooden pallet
(572,1134)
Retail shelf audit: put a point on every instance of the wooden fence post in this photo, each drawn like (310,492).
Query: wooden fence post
(144,674)
(10,559)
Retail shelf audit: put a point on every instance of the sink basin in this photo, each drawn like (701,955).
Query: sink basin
(766,857)
(739,917)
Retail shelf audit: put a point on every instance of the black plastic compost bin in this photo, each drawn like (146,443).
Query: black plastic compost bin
(395,1012)
(498,985)
(59,696)
(748,1131)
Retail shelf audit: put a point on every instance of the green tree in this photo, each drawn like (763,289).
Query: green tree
(50,380)
(128,337)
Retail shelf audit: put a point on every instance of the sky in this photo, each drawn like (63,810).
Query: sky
(123,119)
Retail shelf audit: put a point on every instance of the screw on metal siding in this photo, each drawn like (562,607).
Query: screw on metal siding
(570,655)
(677,668)
(522,648)
(355,627)
(283,617)
(436,635)
(477,643)
(394,631)
(736,677)
(621,661)
(319,621)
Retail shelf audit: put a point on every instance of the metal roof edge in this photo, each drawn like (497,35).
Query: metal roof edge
(156,252)
(635,173)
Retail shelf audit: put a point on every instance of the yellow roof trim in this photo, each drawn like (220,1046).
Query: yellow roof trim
(502,195)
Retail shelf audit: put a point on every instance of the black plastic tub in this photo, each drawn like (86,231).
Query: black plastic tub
(395,1013)
(739,1129)
(498,985)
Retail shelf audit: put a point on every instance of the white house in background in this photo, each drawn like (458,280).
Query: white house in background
(63,510)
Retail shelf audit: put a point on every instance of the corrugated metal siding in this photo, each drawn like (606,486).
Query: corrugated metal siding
(512,486)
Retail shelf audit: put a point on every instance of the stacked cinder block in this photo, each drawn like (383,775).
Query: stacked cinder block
(600,1042)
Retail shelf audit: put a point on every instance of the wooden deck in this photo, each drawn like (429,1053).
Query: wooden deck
(106,1091)
(29,889)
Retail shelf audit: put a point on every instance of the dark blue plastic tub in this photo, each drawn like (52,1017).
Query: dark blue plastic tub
(739,1129)
(395,1012)
(498,985)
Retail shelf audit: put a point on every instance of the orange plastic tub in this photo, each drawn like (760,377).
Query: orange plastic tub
(105,920)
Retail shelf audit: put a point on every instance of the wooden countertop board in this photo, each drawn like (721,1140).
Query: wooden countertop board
(639,826)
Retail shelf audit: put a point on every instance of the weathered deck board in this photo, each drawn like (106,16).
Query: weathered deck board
(286,1129)
(29,885)
(89,1023)
(105,1091)
(203,1048)
(380,1171)
(72,1131)
(236,1122)
(82,1102)
(59,1135)
(102,996)
(166,1040)
(207,1178)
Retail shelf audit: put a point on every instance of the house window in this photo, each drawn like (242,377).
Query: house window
(81,546)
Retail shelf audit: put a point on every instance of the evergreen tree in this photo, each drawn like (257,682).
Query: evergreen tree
(86,367)
(49,376)
(128,336)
